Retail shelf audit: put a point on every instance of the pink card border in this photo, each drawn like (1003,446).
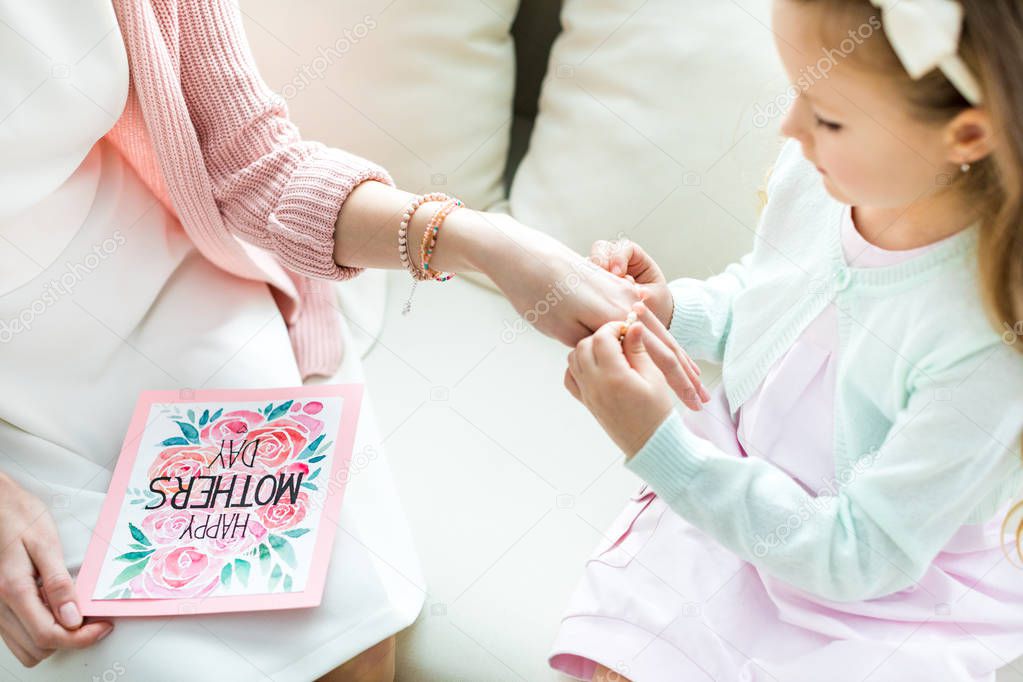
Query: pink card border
(311,596)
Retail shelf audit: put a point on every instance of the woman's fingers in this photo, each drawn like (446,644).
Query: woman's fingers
(44,550)
(24,657)
(675,373)
(22,596)
(15,635)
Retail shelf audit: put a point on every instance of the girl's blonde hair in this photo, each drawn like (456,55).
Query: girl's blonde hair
(991,46)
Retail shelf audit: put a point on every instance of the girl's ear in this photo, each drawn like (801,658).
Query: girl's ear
(969,137)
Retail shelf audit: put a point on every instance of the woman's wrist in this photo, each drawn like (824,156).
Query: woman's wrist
(466,243)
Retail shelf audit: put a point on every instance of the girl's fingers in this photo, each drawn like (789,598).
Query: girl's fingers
(675,373)
(572,385)
(607,349)
(585,360)
(654,326)
(600,252)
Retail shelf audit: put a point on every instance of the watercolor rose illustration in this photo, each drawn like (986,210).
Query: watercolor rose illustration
(163,563)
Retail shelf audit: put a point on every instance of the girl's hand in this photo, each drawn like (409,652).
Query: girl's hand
(625,385)
(36,620)
(620,384)
(624,258)
(558,291)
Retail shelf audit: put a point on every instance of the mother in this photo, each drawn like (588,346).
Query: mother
(157,290)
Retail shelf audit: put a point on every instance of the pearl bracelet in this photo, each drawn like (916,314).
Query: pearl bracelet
(427,244)
(406,218)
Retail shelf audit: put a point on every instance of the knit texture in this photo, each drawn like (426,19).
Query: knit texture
(928,402)
(216,146)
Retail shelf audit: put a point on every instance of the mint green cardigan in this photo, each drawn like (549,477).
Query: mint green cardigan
(928,404)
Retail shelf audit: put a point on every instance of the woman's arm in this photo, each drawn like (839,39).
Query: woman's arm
(328,214)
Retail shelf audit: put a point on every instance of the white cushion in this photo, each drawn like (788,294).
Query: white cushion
(422,88)
(649,128)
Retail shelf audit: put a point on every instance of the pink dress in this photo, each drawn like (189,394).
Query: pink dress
(662,601)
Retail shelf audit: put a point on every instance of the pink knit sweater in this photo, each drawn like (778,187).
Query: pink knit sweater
(216,146)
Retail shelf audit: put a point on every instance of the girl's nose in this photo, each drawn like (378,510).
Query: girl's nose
(792,125)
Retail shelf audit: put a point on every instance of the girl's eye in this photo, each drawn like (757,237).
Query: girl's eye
(830,125)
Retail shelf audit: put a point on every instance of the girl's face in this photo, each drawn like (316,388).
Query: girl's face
(853,124)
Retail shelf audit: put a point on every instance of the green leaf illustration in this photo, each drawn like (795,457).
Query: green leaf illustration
(280,410)
(176,440)
(311,486)
(191,416)
(317,458)
(287,583)
(275,577)
(216,415)
(189,431)
(264,558)
(241,569)
(284,549)
(204,418)
(296,532)
(130,572)
(225,575)
(311,448)
(134,556)
(139,535)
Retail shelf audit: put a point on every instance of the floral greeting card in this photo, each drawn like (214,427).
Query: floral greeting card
(222,500)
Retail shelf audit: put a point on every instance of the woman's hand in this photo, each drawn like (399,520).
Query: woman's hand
(36,620)
(624,258)
(555,289)
(627,386)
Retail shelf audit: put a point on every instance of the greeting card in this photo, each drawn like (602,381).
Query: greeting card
(222,500)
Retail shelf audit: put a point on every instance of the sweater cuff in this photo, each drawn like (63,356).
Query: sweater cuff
(689,314)
(670,459)
(303,223)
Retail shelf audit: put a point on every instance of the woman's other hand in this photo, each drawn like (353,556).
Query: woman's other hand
(36,618)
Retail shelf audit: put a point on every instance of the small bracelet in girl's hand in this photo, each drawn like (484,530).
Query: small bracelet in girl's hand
(629,321)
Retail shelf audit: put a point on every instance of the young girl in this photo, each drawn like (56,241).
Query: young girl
(838,509)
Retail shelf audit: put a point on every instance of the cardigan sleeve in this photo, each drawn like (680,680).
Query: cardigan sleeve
(702,316)
(273,188)
(955,441)
(701,319)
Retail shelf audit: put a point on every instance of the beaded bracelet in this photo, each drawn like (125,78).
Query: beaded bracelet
(430,240)
(624,329)
(406,218)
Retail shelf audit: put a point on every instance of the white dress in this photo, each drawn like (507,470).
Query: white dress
(102,296)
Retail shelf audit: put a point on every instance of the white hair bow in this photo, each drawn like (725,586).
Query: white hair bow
(925,35)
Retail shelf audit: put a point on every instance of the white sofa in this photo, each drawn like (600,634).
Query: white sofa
(653,123)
